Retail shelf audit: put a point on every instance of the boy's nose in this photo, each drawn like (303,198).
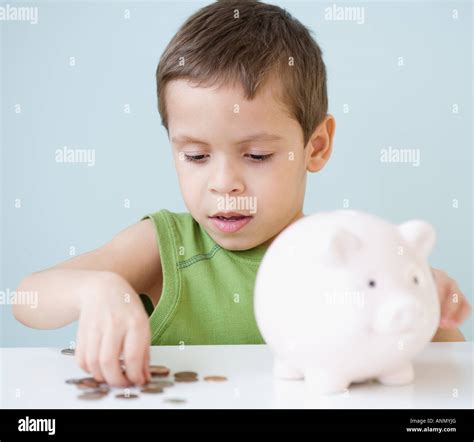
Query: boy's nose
(226,180)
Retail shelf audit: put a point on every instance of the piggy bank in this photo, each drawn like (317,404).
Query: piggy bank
(345,296)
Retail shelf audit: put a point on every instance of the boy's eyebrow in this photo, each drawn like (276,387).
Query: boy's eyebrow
(257,137)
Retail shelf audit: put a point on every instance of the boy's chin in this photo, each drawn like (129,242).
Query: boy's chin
(234,244)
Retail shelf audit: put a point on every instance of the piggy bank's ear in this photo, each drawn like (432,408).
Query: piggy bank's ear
(420,235)
(341,245)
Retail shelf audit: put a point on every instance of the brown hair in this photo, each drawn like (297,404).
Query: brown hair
(248,42)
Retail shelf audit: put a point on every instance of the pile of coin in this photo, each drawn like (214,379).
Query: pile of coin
(185,376)
(92,389)
(159,370)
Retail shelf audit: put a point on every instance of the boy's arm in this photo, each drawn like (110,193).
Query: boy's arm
(133,254)
(445,335)
(131,258)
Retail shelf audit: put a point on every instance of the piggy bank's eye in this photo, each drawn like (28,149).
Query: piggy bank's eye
(415,280)
(371,283)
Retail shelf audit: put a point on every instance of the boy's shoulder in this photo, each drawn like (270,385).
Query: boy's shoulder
(176,225)
(178,234)
(169,216)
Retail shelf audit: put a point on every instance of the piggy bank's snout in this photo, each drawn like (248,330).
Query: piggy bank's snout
(398,317)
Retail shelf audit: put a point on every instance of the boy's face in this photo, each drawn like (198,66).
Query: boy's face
(264,178)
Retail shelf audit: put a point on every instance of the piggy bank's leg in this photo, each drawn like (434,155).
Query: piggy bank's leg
(282,370)
(403,375)
(324,381)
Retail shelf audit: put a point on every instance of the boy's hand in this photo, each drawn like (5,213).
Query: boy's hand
(112,320)
(454,305)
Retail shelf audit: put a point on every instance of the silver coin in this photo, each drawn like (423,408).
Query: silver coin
(68,351)
(73,381)
(126,396)
(162,384)
(175,400)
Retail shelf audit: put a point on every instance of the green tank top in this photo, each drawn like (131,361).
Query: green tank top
(207,294)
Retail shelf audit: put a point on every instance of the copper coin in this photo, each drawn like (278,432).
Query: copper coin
(91,395)
(215,378)
(159,370)
(90,378)
(68,351)
(185,374)
(186,379)
(152,389)
(126,396)
(88,383)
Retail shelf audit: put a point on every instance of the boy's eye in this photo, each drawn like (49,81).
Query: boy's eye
(201,158)
(259,158)
(195,158)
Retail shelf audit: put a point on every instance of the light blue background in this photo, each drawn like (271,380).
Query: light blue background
(66,205)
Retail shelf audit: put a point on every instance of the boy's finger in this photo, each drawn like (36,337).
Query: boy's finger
(448,310)
(80,353)
(147,354)
(463,313)
(110,349)
(146,369)
(93,354)
(134,352)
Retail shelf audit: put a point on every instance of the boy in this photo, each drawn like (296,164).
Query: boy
(242,95)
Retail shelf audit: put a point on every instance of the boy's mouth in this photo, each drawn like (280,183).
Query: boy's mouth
(229,222)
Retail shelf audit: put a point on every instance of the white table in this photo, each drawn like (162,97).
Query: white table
(35,378)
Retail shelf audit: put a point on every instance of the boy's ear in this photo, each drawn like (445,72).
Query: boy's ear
(319,147)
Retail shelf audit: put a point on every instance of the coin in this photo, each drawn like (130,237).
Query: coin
(215,378)
(126,396)
(185,374)
(159,370)
(91,395)
(104,389)
(175,400)
(94,389)
(152,389)
(186,379)
(87,383)
(73,381)
(161,384)
(68,351)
